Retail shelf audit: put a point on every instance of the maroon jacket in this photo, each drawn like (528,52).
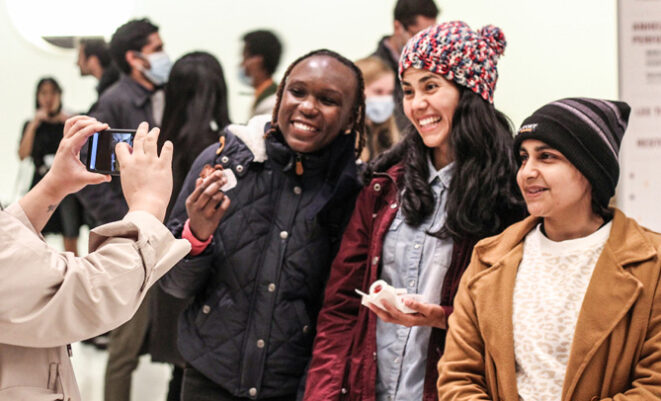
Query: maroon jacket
(343,365)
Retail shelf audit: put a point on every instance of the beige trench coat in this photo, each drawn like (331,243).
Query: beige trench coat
(616,352)
(49,299)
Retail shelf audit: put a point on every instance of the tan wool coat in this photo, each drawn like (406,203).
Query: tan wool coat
(49,299)
(616,351)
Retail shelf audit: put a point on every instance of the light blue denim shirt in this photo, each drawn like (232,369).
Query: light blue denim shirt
(414,260)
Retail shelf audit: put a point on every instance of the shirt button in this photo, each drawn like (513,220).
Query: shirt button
(252,392)
(416,246)
(375,260)
(396,360)
(224,159)
(297,190)
(377,187)
(271,287)
(284,234)
(206,309)
(260,343)
(412,283)
(393,205)
(343,391)
(374,355)
(239,168)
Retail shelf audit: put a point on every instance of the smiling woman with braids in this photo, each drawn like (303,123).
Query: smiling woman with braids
(258,265)
(430,198)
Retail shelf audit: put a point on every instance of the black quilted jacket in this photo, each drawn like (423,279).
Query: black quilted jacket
(258,287)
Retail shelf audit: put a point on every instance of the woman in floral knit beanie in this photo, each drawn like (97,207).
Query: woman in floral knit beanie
(449,183)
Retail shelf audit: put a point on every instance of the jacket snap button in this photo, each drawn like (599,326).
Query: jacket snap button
(224,159)
(206,309)
(239,168)
(377,187)
(252,391)
(271,287)
(375,260)
(297,190)
(260,343)
(284,234)
(306,329)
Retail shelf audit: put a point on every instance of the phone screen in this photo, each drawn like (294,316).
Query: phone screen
(101,157)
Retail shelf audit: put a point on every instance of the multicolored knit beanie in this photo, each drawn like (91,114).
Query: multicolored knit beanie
(456,52)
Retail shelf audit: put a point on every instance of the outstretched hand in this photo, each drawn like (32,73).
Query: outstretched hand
(430,315)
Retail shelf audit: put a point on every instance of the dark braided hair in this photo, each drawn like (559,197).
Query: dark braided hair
(358,110)
(483,197)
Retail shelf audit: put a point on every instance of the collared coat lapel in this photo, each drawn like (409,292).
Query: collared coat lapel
(492,291)
(610,295)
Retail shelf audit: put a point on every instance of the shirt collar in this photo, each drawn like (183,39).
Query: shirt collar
(444,174)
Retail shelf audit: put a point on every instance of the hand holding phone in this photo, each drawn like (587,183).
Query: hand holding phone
(146,176)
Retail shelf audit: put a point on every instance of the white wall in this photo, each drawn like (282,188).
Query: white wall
(555,49)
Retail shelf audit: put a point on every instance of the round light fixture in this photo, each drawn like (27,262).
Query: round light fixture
(50,25)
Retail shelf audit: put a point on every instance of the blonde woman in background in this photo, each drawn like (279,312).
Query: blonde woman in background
(380,125)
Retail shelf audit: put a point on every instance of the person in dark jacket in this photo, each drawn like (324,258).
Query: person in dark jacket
(449,183)
(260,261)
(195,113)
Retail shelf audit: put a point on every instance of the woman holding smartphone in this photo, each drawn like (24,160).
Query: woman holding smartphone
(429,199)
(577,310)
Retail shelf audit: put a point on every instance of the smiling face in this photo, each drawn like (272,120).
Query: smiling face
(429,103)
(551,186)
(316,103)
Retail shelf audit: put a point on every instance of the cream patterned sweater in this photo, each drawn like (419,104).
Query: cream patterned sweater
(551,282)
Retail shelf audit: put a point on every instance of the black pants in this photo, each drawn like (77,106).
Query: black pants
(197,387)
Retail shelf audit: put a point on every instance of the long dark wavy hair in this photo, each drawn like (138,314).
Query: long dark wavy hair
(358,108)
(483,195)
(195,110)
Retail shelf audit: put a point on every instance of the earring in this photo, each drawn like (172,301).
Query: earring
(348,131)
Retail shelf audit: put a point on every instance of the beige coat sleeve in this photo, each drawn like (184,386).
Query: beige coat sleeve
(461,368)
(50,298)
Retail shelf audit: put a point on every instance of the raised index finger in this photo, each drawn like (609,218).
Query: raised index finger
(139,138)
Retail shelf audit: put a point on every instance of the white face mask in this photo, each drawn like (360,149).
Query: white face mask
(243,77)
(160,68)
(379,108)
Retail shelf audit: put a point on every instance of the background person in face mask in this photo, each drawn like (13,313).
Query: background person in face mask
(261,56)
(380,125)
(137,49)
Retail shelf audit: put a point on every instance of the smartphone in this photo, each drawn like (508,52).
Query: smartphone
(101,157)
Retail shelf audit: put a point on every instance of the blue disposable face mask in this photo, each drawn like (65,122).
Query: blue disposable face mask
(243,77)
(378,109)
(160,68)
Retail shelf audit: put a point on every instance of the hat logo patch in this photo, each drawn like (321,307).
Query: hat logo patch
(528,128)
